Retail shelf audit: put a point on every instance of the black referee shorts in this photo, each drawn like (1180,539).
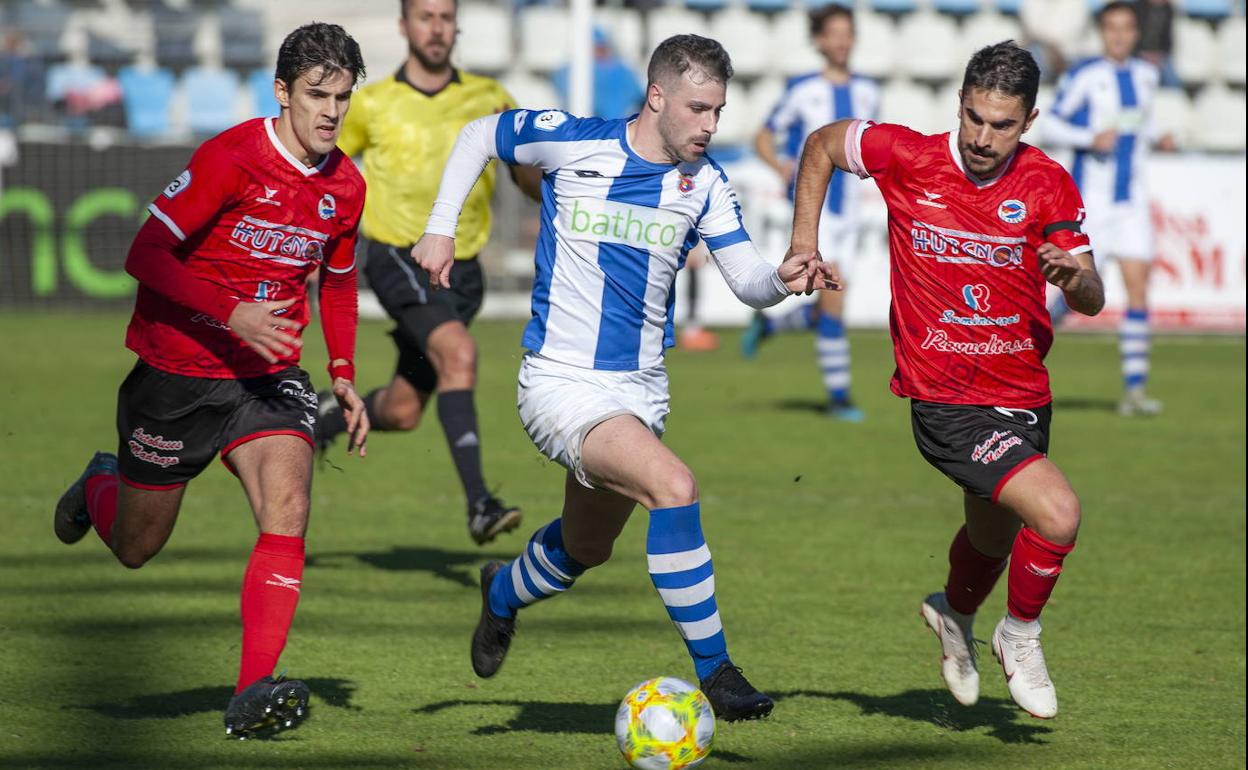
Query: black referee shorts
(403,290)
(980,447)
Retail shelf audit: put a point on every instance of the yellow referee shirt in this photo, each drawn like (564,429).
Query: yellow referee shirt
(406,136)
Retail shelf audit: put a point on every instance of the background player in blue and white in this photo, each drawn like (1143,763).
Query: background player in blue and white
(811,101)
(1104,111)
(623,201)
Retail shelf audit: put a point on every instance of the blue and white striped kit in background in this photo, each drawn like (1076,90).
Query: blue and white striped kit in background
(1097,95)
(615,228)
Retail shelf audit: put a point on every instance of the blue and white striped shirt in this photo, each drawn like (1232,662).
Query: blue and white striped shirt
(1098,95)
(810,102)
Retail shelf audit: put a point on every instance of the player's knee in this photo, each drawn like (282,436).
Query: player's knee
(134,556)
(403,416)
(1063,521)
(285,514)
(459,364)
(590,554)
(675,487)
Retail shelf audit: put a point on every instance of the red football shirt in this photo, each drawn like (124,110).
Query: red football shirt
(256,222)
(968,315)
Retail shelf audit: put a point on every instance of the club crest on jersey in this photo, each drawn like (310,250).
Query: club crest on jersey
(327,207)
(178,185)
(1012,212)
(685,185)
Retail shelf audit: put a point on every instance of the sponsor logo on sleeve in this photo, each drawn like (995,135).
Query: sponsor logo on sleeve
(177,185)
(1012,212)
(519,119)
(550,120)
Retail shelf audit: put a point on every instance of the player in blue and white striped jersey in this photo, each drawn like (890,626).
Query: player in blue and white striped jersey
(1103,111)
(810,102)
(623,201)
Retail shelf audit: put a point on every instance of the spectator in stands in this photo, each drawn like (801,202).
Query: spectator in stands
(1053,30)
(617,91)
(21,78)
(1157,38)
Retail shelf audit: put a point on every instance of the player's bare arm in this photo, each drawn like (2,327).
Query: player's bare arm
(529,180)
(271,336)
(824,152)
(1075,275)
(765,146)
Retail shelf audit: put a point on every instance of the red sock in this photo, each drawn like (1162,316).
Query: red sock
(102,504)
(270,593)
(971,575)
(1035,564)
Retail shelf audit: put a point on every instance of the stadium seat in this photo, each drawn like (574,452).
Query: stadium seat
(544,38)
(175,31)
(931,45)
(895,7)
(668,20)
(624,27)
(957,7)
(1010,7)
(1172,114)
(986,29)
(147,93)
(531,92)
(761,99)
(1207,9)
(874,53)
(706,5)
(260,88)
(1231,50)
(790,33)
(735,126)
(740,32)
(1219,114)
(211,95)
(242,38)
(910,104)
(1195,51)
(484,38)
(771,6)
(43,25)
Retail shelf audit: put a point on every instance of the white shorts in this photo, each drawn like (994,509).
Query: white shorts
(1120,231)
(559,404)
(838,241)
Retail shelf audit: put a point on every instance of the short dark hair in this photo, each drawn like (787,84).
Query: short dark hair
(1117,5)
(327,46)
(682,53)
(404,3)
(825,13)
(1005,68)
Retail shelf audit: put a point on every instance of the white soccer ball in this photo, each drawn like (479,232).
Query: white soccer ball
(665,724)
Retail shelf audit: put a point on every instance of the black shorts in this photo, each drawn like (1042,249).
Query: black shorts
(170,427)
(980,447)
(403,290)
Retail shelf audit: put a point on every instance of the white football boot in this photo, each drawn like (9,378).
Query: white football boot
(957,646)
(1016,644)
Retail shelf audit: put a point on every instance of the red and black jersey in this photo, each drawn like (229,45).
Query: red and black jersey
(251,223)
(968,315)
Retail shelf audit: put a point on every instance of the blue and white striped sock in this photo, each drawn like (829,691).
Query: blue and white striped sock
(1133,345)
(832,348)
(543,570)
(680,566)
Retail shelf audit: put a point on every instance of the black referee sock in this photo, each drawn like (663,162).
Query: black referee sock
(458,415)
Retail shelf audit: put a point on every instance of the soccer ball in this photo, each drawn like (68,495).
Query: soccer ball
(665,724)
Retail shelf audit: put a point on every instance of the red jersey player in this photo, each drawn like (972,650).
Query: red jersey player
(977,223)
(222,266)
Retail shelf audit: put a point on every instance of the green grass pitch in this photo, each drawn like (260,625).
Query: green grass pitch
(825,537)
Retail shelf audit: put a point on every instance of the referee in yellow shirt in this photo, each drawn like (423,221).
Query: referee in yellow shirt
(405,127)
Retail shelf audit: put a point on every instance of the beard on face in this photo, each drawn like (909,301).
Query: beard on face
(428,61)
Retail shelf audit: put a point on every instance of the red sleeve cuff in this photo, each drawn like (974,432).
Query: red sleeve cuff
(345,371)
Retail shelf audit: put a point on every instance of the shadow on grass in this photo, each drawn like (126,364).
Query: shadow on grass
(1085,404)
(816,405)
(456,566)
(1001,717)
(170,705)
(548,717)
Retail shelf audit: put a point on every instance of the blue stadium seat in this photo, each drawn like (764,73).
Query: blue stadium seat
(146,94)
(894,6)
(263,103)
(1010,7)
(1207,9)
(769,6)
(210,97)
(242,38)
(957,7)
(706,5)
